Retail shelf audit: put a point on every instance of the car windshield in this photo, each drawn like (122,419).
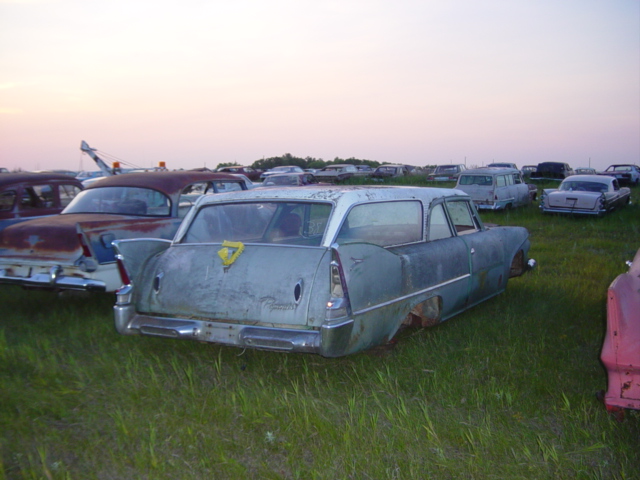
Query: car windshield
(288,223)
(446,170)
(584,186)
(476,180)
(121,200)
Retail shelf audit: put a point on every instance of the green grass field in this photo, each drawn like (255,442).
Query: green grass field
(504,391)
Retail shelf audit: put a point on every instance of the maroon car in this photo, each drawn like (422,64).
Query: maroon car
(251,173)
(74,250)
(28,195)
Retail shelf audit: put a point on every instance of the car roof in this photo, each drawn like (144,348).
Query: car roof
(590,178)
(21,177)
(289,174)
(167,182)
(337,194)
(490,171)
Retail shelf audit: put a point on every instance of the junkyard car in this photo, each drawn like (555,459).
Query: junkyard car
(552,171)
(290,180)
(527,170)
(251,173)
(387,171)
(496,188)
(585,195)
(328,270)
(281,169)
(626,174)
(621,348)
(585,171)
(339,173)
(503,165)
(28,195)
(446,173)
(73,250)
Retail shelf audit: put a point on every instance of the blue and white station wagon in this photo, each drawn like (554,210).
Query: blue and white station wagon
(329,270)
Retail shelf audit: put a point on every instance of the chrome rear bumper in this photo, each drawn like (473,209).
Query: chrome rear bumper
(330,340)
(53,280)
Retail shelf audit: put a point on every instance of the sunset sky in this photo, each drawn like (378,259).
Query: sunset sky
(199,82)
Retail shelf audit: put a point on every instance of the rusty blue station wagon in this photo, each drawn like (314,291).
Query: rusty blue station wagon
(327,270)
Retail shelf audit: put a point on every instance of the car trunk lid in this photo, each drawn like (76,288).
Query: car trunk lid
(577,200)
(261,284)
(55,239)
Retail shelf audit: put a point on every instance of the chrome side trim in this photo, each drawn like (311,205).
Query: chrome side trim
(406,297)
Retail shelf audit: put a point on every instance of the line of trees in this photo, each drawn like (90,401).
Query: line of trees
(307,162)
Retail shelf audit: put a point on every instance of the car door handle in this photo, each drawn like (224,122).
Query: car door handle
(473,250)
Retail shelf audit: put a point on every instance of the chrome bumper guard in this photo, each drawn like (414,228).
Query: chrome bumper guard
(54,280)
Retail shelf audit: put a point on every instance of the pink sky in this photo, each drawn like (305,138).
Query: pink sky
(199,82)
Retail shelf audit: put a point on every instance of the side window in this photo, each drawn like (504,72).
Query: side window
(461,216)
(223,186)
(438,224)
(189,195)
(517,179)
(38,196)
(7,200)
(383,224)
(616,186)
(501,181)
(67,193)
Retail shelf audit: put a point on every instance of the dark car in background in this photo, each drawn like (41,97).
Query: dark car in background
(290,180)
(388,171)
(251,173)
(552,171)
(446,173)
(24,196)
(627,174)
(281,169)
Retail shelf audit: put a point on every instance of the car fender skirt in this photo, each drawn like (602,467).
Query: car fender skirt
(330,341)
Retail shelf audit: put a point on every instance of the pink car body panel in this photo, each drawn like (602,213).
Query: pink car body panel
(621,349)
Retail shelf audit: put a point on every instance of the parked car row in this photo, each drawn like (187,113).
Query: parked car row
(324,269)
(329,270)
(74,250)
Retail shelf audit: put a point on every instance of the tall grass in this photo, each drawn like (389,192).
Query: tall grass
(505,390)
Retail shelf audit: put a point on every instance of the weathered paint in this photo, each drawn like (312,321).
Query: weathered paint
(278,296)
(20,184)
(47,252)
(585,202)
(621,348)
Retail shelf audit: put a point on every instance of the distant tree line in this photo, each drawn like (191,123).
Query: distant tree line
(307,162)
